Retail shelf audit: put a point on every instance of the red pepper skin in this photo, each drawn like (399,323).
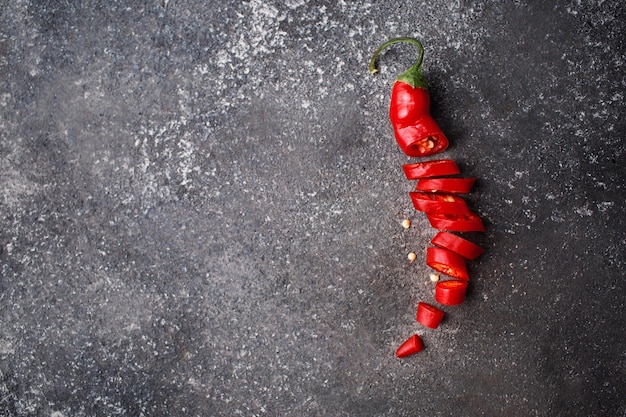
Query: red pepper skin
(415,130)
(438,203)
(446,185)
(429,316)
(439,168)
(408,104)
(411,346)
(457,244)
(447,262)
(468,222)
(451,292)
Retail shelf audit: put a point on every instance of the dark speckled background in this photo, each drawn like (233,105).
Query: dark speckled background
(201,206)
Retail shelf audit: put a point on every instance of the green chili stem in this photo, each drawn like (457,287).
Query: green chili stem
(412,41)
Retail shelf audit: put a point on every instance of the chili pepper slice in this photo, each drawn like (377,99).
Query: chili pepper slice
(451,292)
(439,168)
(415,130)
(447,262)
(467,222)
(463,247)
(446,185)
(438,203)
(429,316)
(411,346)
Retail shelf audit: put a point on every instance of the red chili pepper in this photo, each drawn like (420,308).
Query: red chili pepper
(416,131)
(428,315)
(468,222)
(451,292)
(457,244)
(438,203)
(412,345)
(439,168)
(447,262)
(446,185)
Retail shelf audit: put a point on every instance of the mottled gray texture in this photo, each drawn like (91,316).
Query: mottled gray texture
(201,205)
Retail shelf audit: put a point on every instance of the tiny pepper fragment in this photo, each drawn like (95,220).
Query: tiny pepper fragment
(411,346)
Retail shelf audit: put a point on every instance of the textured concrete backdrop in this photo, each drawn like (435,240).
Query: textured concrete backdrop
(200,209)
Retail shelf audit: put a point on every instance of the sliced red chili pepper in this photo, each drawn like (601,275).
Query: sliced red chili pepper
(446,185)
(429,169)
(451,292)
(416,131)
(421,139)
(447,262)
(429,316)
(438,203)
(468,222)
(463,247)
(412,345)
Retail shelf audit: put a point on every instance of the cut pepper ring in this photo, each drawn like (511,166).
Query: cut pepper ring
(429,316)
(436,168)
(446,185)
(451,292)
(438,203)
(467,222)
(457,244)
(447,262)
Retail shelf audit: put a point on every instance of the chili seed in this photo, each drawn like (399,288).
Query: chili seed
(412,256)
(406,223)
(434,277)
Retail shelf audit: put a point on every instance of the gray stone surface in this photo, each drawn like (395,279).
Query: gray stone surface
(201,202)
